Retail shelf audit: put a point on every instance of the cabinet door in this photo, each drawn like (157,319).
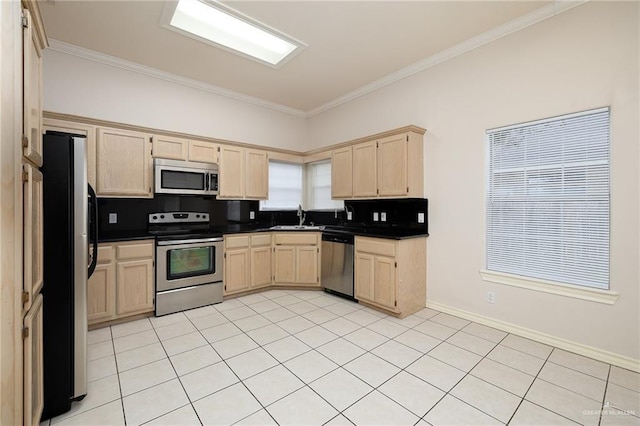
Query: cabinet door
(124,164)
(33,365)
(204,152)
(364,170)
(384,278)
(171,148)
(260,266)
(257,175)
(364,276)
(307,265)
(231,170)
(32,238)
(79,129)
(236,270)
(32,95)
(341,173)
(101,294)
(134,281)
(284,264)
(392,166)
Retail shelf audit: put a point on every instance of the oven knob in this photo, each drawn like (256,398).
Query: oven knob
(197,215)
(155,217)
(161,216)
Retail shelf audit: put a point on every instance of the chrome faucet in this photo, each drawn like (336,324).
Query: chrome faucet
(301,214)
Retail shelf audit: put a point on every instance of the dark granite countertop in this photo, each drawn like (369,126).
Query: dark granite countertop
(393,233)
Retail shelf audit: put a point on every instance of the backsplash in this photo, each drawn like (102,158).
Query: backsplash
(132,213)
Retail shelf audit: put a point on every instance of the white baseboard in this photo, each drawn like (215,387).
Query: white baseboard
(568,345)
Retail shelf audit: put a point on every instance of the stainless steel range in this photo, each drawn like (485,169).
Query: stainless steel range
(188,261)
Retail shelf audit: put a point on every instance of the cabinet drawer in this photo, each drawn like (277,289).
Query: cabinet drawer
(261,240)
(105,254)
(134,250)
(376,246)
(293,238)
(236,241)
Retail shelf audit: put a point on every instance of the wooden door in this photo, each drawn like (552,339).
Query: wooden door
(284,264)
(101,293)
(170,147)
(384,278)
(231,179)
(204,152)
(236,270)
(32,91)
(134,281)
(363,275)
(33,391)
(80,129)
(32,238)
(341,173)
(392,166)
(364,170)
(124,164)
(307,265)
(256,174)
(260,266)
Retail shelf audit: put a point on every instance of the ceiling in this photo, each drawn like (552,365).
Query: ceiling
(351,44)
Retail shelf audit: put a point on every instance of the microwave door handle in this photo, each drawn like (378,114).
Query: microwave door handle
(206,181)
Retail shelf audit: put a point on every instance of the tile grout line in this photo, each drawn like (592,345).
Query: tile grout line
(604,395)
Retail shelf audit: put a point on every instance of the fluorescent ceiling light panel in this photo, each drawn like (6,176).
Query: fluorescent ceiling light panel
(223,27)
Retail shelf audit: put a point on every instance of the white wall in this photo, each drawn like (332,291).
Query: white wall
(77,86)
(581,59)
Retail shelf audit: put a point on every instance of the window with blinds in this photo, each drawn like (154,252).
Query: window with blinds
(285,186)
(548,199)
(319,178)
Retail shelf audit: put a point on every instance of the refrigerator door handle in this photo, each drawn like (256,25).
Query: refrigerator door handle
(93,201)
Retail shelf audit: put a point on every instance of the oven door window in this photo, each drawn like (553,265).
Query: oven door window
(171,179)
(190,262)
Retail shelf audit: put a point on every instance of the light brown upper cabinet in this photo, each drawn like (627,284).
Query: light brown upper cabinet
(182,149)
(341,173)
(79,129)
(364,170)
(244,173)
(388,165)
(124,164)
(32,90)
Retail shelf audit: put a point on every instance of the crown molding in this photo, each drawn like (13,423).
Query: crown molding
(531,18)
(504,30)
(92,55)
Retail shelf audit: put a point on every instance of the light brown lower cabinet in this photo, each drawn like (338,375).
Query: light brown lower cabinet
(391,274)
(123,281)
(33,399)
(296,258)
(247,262)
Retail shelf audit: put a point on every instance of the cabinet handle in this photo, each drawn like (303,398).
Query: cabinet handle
(25,333)
(25,141)
(25,297)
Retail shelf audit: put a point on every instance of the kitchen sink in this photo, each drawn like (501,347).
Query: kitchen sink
(297,227)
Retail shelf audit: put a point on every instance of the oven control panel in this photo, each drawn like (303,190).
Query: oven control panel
(178,217)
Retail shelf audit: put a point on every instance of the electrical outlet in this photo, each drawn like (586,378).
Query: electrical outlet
(383,217)
(252,214)
(349,215)
(491,297)
(113,217)
(375,216)
(420,217)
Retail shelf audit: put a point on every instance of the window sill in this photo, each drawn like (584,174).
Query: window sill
(607,297)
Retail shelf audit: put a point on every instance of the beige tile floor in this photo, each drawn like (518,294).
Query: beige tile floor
(310,358)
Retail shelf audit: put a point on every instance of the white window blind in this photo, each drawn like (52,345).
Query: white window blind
(319,197)
(285,186)
(548,199)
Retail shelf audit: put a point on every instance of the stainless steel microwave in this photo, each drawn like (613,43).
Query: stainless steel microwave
(185,177)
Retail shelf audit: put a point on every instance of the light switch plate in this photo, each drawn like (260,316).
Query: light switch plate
(113,217)
(420,217)
(383,217)
(252,214)
(375,216)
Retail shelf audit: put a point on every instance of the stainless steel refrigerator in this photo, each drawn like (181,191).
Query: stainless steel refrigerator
(69,214)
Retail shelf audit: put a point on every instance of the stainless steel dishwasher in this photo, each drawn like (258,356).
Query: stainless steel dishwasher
(337,263)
